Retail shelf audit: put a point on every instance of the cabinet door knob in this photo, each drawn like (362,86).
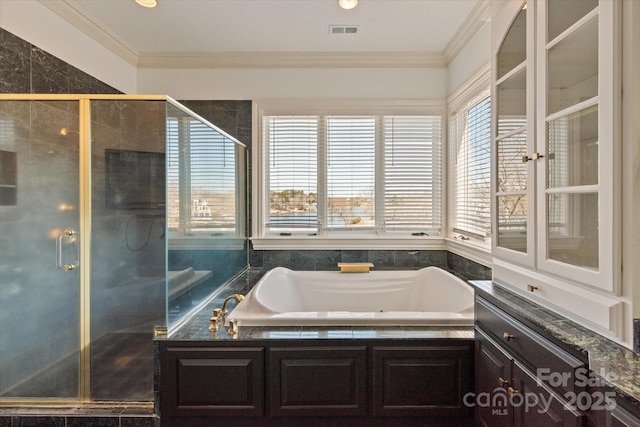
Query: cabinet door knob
(502,382)
(507,336)
(532,288)
(535,156)
(511,391)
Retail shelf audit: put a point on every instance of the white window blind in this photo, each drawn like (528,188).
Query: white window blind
(290,156)
(412,173)
(201,178)
(558,174)
(353,173)
(471,135)
(511,175)
(350,166)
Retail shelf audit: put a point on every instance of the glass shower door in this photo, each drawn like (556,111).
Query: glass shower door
(128,245)
(39,275)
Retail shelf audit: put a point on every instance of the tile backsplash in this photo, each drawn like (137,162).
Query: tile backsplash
(382,259)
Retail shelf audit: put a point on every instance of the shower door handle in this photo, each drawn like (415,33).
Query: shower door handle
(59,265)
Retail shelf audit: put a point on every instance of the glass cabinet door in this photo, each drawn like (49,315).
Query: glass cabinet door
(513,140)
(575,125)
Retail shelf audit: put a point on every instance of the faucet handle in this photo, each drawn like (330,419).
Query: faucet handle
(233,327)
(214,322)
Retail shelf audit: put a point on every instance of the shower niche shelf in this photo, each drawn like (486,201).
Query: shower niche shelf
(8,178)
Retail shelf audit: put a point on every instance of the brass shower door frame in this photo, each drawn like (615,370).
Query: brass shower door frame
(84,251)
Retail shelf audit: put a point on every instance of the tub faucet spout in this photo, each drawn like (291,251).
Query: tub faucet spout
(238,297)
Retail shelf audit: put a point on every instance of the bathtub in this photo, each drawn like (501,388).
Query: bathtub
(426,297)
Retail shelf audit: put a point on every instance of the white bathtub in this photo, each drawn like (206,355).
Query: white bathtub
(426,297)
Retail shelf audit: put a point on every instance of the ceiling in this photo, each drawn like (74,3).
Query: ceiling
(284,26)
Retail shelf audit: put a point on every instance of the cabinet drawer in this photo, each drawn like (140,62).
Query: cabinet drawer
(545,359)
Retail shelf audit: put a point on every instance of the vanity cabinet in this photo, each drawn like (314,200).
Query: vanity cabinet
(522,379)
(556,156)
(323,382)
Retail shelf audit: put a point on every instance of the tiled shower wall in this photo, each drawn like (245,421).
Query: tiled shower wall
(25,68)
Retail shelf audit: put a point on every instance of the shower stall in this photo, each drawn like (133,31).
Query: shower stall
(118,216)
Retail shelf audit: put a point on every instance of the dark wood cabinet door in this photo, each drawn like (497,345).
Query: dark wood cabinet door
(209,381)
(538,405)
(493,377)
(318,381)
(619,417)
(422,381)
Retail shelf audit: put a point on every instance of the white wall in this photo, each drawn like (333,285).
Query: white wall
(472,58)
(295,83)
(37,24)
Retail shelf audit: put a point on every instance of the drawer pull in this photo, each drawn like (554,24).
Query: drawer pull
(511,391)
(502,382)
(507,336)
(532,288)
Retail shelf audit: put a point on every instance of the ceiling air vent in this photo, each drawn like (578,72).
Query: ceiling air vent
(344,29)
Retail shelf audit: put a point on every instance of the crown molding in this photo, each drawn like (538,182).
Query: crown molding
(478,17)
(480,81)
(76,16)
(290,60)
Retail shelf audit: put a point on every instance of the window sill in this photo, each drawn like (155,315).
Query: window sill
(348,243)
(470,250)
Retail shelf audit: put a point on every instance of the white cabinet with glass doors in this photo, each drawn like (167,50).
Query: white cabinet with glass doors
(556,155)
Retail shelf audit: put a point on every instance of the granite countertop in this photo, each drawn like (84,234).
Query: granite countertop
(201,332)
(617,366)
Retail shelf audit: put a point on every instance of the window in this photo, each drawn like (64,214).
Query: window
(292,177)
(471,152)
(328,174)
(204,170)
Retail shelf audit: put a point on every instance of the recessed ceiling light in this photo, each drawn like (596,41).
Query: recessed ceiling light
(147,3)
(348,4)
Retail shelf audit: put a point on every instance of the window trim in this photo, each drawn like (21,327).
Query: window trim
(390,240)
(478,84)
